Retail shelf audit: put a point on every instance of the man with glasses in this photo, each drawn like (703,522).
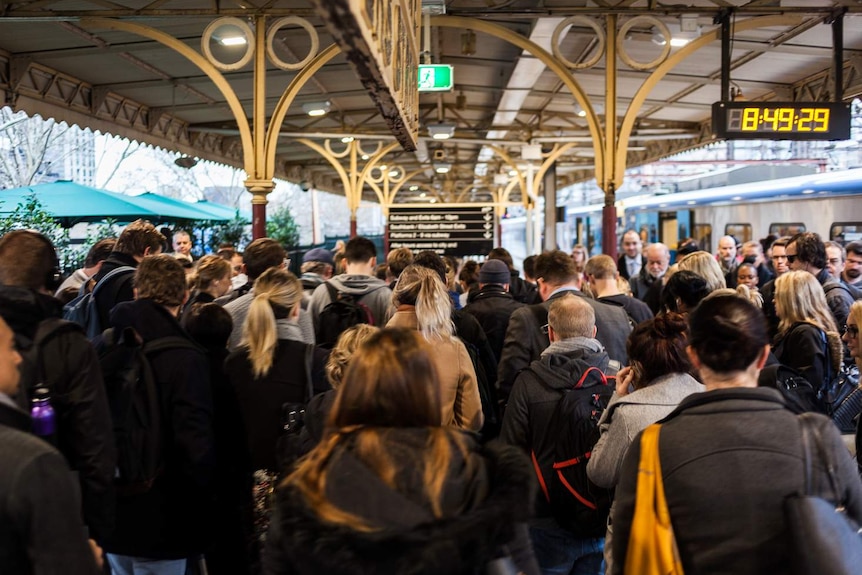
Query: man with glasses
(807,252)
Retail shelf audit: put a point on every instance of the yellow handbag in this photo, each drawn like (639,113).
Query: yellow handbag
(652,547)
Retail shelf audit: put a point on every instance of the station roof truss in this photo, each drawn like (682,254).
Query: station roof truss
(59,59)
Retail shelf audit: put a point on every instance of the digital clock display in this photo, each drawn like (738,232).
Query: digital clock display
(781,120)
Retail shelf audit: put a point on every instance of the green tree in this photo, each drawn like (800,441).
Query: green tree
(30,215)
(281,227)
(234,232)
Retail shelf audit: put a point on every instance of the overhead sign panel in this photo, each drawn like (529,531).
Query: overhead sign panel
(781,120)
(448,231)
(436,78)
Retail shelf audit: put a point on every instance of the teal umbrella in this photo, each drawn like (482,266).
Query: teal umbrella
(71,203)
(178,209)
(216,209)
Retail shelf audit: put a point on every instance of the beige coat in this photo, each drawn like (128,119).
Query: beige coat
(459,391)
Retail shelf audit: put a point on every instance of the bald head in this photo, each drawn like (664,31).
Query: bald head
(571,316)
(727,249)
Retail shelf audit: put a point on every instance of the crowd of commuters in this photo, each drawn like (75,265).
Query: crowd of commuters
(414,416)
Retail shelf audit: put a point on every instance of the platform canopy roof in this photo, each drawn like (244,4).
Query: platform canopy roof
(71,203)
(61,58)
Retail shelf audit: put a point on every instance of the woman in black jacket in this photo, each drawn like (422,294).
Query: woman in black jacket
(392,491)
(272,368)
(807,339)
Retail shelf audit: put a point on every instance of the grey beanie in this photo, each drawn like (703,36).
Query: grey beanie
(494,272)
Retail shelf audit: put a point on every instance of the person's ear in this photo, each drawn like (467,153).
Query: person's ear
(595,331)
(764,355)
(294,313)
(692,357)
(135,292)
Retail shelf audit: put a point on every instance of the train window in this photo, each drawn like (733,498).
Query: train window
(845,232)
(782,229)
(703,234)
(741,232)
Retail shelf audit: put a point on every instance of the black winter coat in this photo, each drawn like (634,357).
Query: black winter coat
(261,399)
(537,391)
(492,307)
(171,520)
(481,505)
(72,373)
(40,527)
(525,340)
(118,290)
(804,348)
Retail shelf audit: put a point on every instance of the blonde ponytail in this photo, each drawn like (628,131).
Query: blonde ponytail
(260,332)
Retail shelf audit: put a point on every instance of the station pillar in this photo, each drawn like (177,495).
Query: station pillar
(258,189)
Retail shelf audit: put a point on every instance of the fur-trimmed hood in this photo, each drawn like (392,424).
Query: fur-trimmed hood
(481,504)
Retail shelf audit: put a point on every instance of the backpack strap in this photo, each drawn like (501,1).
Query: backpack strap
(604,378)
(110,275)
(333,292)
(309,362)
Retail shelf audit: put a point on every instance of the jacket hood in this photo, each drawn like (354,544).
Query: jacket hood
(563,369)
(480,509)
(148,318)
(357,284)
(23,308)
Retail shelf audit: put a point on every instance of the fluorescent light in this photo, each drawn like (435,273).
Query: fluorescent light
(679,42)
(317,108)
(232,41)
(414,188)
(346,139)
(441,130)
(442,167)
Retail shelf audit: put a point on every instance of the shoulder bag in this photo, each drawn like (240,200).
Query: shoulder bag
(652,546)
(823,538)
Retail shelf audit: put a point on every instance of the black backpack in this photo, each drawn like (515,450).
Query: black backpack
(799,395)
(343,311)
(84,310)
(32,373)
(134,401)
(579,505)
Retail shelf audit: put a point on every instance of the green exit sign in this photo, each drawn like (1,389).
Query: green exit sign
(435,78)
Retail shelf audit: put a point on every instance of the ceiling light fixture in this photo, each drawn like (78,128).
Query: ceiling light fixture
(232,41)
(346,139)
(442,167)
(317,108)
(441,130)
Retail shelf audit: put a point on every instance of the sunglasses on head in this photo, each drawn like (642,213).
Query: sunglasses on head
(791,258)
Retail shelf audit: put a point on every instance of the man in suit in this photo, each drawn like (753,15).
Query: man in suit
(631,261)
(525,338)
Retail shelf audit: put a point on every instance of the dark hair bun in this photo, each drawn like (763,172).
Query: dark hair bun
(669,325)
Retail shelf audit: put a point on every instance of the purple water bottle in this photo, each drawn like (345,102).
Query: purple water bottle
(44,423)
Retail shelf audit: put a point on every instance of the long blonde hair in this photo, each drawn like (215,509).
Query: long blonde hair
(800,298)
(421,287)
(276,294)
(856,313)
(390,384)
